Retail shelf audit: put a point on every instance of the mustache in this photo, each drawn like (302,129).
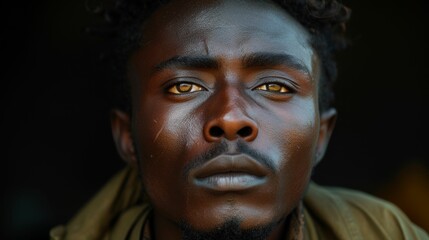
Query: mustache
(225,148)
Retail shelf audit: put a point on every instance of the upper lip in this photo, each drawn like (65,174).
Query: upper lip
(224,164)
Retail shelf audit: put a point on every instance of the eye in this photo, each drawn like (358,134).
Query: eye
(184,87)
(274,87)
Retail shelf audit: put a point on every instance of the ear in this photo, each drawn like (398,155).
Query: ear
(327,124)
(121,131)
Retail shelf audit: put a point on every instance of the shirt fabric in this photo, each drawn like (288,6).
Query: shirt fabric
(120,211)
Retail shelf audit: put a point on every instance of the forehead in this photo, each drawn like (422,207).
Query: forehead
(224,29)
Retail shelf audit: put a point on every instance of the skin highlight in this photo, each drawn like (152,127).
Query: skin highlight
(204,79)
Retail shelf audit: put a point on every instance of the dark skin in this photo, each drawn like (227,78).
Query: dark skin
(211,74)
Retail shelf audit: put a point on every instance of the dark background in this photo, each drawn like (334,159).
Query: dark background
(57,147)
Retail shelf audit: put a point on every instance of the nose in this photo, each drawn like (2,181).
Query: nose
(230,124)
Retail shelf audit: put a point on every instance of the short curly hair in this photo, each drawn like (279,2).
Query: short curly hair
(324,19)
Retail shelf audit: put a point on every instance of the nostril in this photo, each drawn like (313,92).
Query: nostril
(244,132)
(216,132)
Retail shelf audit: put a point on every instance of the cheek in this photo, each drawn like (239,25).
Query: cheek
(163,132)
(296,135)
(294,129)
(163,138)
(298,164)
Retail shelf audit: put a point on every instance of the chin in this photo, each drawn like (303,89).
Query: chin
(214,211)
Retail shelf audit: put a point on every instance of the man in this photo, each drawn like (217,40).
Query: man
(229,111)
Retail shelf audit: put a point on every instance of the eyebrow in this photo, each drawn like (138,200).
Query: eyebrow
(203,62)
(253,60)
(267,59)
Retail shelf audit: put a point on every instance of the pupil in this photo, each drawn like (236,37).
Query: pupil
(185,87)
(274,87)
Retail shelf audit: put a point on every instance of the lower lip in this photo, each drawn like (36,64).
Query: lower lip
(229,182)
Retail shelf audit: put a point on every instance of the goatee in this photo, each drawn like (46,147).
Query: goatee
(230,230)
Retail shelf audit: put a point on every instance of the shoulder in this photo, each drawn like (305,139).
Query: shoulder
(349,214)
(111,214)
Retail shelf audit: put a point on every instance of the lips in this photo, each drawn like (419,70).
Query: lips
(230,173)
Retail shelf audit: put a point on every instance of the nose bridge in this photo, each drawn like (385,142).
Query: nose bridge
(229,117)
(230,103)
(230,100)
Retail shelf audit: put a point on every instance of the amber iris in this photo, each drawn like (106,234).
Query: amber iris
(181,88)
(273,87)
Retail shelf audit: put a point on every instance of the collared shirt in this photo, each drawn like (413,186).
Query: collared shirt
(121,212)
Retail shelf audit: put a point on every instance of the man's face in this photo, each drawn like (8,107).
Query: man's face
(225,117)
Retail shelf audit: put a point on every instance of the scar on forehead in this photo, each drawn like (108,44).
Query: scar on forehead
(206,47)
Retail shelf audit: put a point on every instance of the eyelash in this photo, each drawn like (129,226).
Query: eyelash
(290,89)
(177,82)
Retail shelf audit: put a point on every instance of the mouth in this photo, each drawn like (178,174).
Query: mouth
(230,173)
